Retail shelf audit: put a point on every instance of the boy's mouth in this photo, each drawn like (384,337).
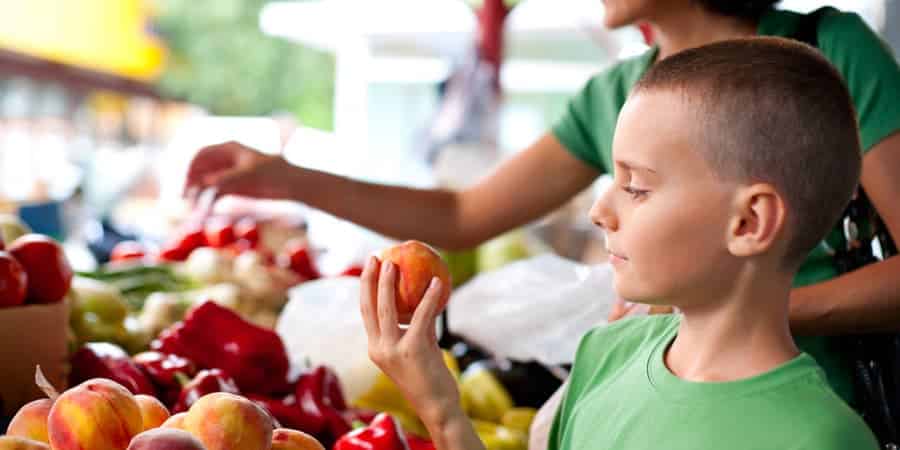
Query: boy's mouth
(615,257)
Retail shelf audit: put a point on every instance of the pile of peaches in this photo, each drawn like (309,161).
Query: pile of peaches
(101,414)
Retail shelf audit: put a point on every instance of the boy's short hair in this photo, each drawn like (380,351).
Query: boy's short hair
(776,111)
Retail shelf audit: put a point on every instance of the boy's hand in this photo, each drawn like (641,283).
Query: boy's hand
(410,357)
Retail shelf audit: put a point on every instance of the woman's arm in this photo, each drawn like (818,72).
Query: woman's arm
(532,183)
(867,299)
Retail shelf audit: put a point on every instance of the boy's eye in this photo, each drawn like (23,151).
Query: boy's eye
(634,192)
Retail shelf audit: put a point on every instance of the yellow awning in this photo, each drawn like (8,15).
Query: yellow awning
(105,35)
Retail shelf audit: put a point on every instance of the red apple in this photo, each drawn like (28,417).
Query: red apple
(49,273)
(13,281)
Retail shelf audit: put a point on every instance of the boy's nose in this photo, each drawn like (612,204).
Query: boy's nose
(602,213)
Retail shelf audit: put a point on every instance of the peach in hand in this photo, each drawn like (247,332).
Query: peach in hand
(223,421)
(417,264)
(286,439)
(153,412)
(165,439)
(31,421)
(98,414)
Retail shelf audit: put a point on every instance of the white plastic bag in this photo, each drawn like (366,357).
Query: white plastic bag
(321,324)
(534,309)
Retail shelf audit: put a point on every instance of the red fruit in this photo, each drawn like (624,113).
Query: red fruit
(13,281)
(126,250)
(352,271)
(172,253)
(248,230)
(181,247)
(238,247)
(219,233)
(298,258)
(416,264)
(48,270)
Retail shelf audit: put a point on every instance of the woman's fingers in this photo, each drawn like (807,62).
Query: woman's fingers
(367,297)
(387,309)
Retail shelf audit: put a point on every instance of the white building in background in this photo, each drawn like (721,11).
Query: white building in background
(392,54)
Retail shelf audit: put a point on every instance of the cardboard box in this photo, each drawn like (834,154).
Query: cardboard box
(31,335)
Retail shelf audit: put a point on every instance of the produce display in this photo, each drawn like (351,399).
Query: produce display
(174,348)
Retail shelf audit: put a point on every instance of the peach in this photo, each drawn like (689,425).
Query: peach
(224,421)
(20,443)
(286,439)
(176,421)
(417,264)
(98,414)
(165,439)
(153,412)
(31,421)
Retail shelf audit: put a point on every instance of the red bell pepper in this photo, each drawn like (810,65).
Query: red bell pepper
(182,246)
(105,360)
(215,336)
(299,258)
(319,394)
(418,443)
(164,371)
(384,433)
(355,270)
(206,382)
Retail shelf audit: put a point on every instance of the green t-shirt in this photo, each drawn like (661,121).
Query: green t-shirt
(872,75)
(622,396)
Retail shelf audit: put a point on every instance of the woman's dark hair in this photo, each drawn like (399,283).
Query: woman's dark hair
(746,9)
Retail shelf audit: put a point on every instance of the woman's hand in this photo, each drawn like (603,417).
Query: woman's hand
(234,169)
(410,357)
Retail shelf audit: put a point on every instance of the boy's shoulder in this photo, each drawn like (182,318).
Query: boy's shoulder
(610,346)
(632,332)
(828,422)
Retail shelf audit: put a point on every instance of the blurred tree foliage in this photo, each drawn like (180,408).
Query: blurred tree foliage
(219,59)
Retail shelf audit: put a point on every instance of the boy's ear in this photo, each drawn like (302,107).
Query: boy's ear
(759,219)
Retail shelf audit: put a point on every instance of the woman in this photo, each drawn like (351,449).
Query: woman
(577,149)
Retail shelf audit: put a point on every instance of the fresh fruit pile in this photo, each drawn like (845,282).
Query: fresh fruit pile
(230,261)
(33,270)
(101,414)
(214,350)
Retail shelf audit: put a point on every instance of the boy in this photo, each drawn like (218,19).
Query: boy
(732,161)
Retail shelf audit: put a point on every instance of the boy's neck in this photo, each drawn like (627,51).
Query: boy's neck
(740,335)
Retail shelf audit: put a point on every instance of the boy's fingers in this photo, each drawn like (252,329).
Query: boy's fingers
(367,299)
(387,310)
(425,315)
